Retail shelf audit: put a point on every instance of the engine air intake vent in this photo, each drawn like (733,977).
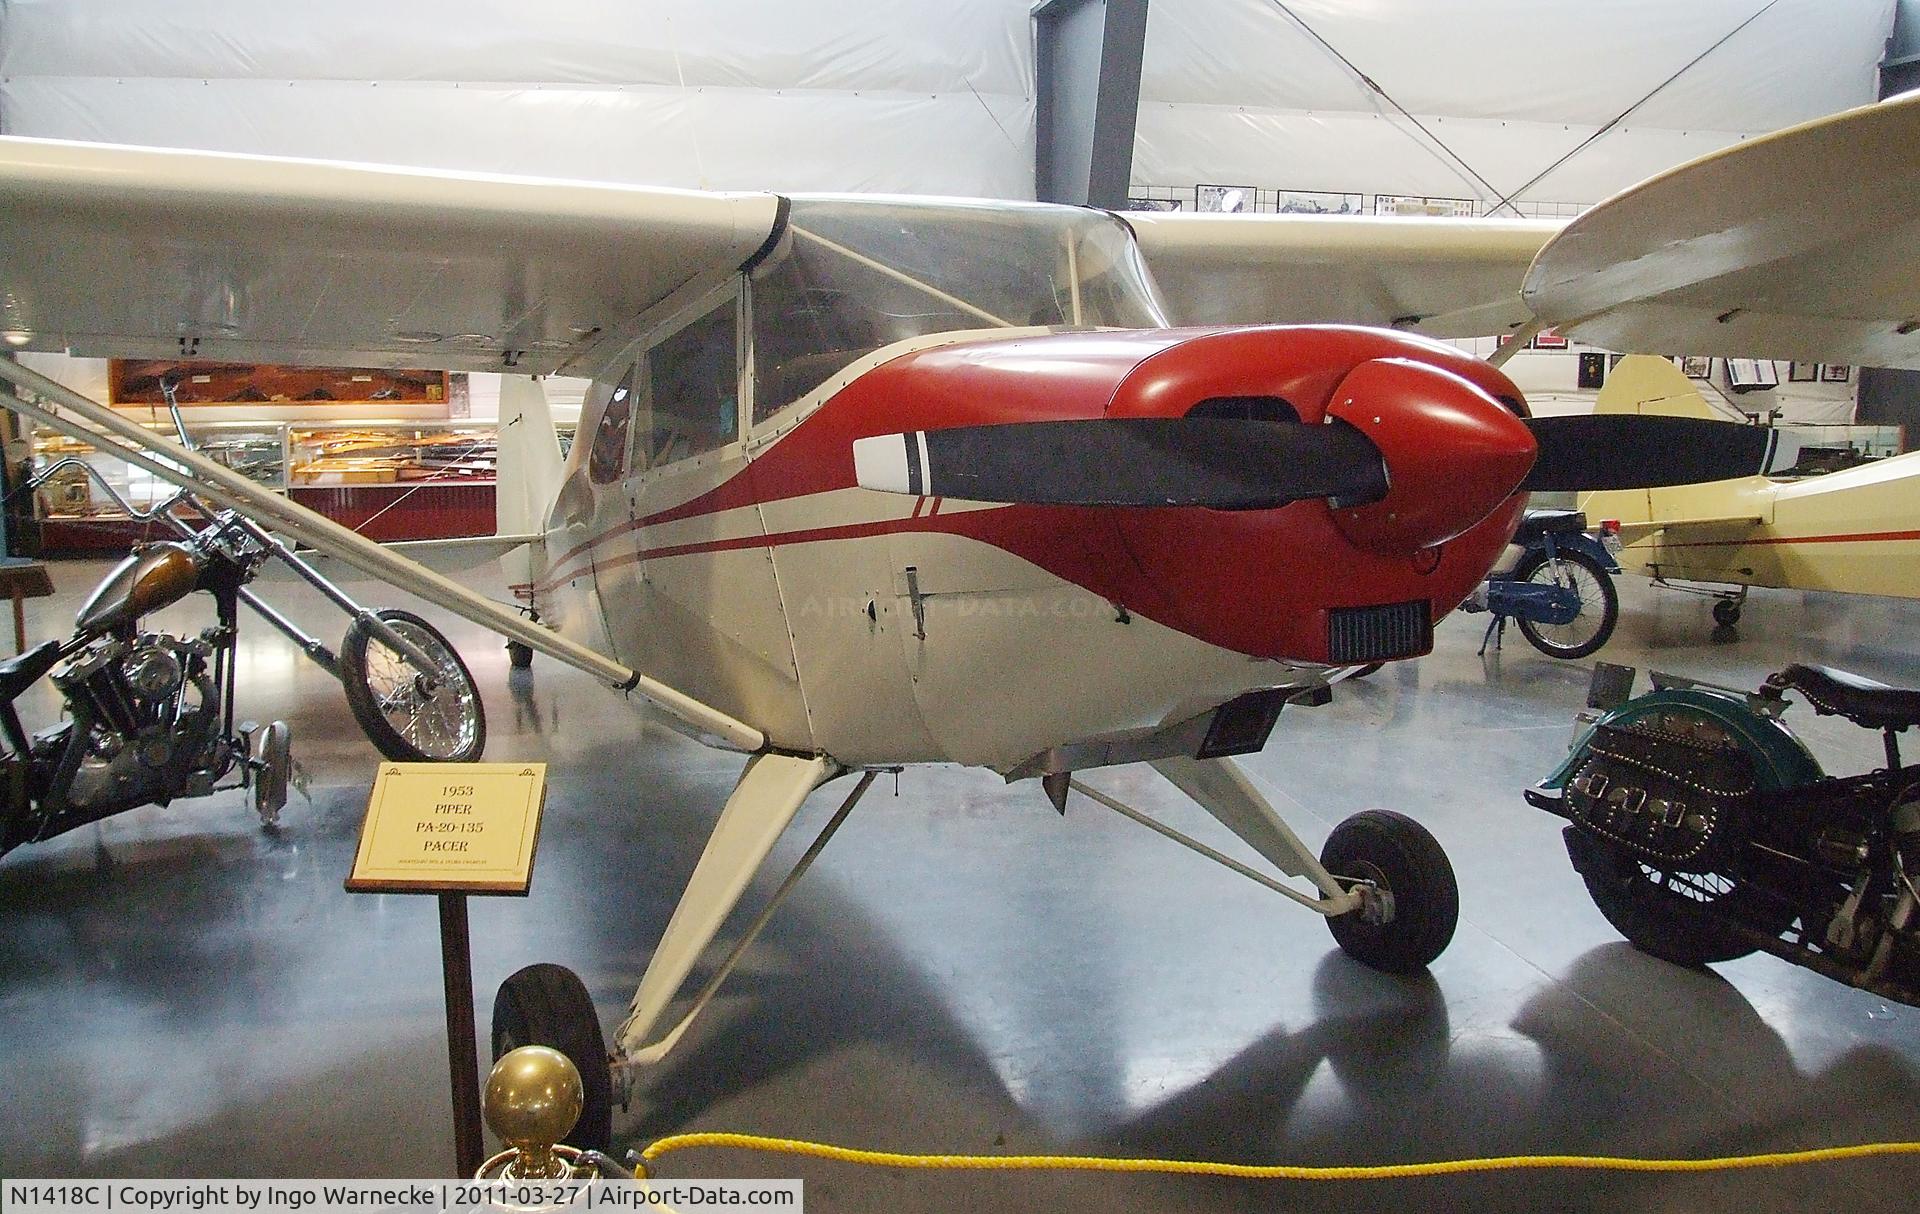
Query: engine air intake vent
(1379,634)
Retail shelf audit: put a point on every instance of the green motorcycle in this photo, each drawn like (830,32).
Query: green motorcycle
(1705,830)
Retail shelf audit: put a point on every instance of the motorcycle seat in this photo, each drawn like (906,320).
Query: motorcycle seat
(1536,523)
(21,672)
(1869,704)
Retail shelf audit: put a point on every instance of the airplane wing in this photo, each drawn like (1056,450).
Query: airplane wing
(1442,277)
(1634,533)
(1799,244)
(143,252)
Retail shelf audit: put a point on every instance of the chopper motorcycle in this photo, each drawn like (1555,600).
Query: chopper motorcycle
(150,715)
(1705,830)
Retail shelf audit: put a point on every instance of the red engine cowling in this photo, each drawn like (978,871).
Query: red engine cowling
(1310,581)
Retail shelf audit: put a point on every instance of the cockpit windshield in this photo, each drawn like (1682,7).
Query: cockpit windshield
(858,274)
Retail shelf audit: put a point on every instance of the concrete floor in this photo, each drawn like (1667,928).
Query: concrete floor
(183,993)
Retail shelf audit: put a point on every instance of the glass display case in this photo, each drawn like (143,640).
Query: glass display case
(255,449)
(391,480)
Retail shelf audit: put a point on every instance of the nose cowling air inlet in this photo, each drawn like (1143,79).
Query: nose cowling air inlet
(1452,452)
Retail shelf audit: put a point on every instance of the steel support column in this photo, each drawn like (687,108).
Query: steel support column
(1087,98)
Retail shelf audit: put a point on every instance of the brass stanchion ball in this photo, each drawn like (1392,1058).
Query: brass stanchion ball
(532,1099)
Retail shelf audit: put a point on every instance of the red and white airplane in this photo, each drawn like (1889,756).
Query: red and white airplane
(868,482)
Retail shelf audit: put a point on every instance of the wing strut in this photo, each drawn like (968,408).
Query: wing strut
(195,472)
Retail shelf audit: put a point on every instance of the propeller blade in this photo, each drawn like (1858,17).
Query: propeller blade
(1632,451)
(1226,463)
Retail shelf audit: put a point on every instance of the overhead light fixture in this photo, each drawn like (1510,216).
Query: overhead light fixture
(16,337)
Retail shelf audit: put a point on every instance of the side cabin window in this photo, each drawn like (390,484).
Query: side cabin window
(694,377)
(607,458)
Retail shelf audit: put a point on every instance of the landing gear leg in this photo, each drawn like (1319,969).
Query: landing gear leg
(768,795)
(1387,889)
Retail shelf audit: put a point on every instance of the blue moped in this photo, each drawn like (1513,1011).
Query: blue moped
(1556,582)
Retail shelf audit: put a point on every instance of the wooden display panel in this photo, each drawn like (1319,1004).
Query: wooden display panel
(136,381)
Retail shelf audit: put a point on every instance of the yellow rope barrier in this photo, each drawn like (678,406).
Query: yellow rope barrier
(1197,1167)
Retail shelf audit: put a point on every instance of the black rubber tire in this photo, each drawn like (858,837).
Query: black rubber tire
(1654,919)
(519,656)
(1726,613)
(1580,645)
(547,1004)
(466,735)
(1400,856)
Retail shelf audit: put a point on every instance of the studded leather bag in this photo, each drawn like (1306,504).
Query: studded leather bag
(1678,803)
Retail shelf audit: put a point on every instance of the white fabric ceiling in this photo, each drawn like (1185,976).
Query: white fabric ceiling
(723,94)
(934,96)
(1236,92)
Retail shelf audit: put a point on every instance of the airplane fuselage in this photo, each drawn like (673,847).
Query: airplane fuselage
(884,628)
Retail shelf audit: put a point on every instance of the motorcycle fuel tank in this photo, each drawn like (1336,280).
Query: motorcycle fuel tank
(152,578)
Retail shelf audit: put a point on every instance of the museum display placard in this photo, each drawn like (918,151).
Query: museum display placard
(437,828)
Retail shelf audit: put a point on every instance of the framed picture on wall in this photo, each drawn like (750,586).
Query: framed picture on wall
(1835,373)
(1593,369)
(1156,204)
(1694,367)
(1227,199)
(1746,374)
(1408,204)
(1314,202)
(1547,339)
(1802,373)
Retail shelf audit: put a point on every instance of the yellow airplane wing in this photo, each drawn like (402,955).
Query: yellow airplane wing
(1799,244)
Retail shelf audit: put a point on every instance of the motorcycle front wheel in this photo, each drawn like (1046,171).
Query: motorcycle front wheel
(1599,605)
(410,715)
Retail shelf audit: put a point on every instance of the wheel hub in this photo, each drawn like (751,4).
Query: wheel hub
(1376,899)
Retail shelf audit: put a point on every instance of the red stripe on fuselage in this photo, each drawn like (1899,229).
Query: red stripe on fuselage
(1064,376)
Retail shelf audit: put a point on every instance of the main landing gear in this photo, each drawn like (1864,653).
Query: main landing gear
(1382,881)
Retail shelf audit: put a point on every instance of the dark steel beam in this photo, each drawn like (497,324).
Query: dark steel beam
(1087,56)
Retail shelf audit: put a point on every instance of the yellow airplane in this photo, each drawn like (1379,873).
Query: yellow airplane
(1855,530)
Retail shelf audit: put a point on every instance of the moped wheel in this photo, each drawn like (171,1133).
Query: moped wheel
(1599,605)
(406,719)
